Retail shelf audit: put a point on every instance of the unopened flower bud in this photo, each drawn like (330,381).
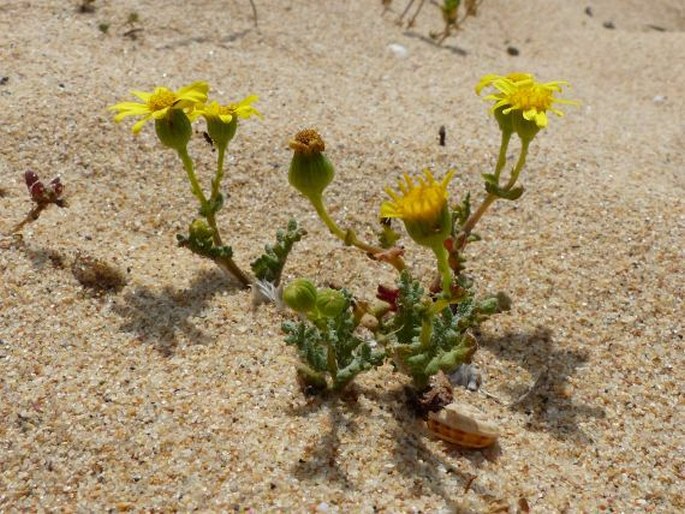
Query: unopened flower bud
(310,171)
(300,295)
(330,302)
(200,230)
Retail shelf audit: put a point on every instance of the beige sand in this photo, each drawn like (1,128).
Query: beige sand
(172,394)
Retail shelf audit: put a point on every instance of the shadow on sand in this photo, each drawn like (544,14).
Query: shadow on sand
(159,317)
(549,404)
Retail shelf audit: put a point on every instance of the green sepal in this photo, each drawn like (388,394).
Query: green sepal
(221,132)
(310,174)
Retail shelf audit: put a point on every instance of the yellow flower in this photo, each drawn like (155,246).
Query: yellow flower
(157,104)
(222,120)
(520,92)
(420,201)
(422,206)
(488,79)
(226,113)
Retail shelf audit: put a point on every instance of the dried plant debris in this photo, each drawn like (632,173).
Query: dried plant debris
(98,275)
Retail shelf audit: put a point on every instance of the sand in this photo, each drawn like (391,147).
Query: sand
(170,393)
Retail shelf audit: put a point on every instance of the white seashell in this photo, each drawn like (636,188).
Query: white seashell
(462,425)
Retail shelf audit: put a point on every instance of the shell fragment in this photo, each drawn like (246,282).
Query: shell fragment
(462,425)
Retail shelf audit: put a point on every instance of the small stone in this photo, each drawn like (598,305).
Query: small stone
(398,50)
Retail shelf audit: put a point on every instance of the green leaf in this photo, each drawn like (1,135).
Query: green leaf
(507,194)
(336,332)
(269,266)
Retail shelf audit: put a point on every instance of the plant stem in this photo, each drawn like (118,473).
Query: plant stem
(331,360)
(31,216)
(225,263)
(444,269)
(349,237)
(192,178)
(216,183)
(490,199)
(502,157)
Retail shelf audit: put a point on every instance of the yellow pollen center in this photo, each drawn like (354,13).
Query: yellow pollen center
(423,203)
(534,97)
(161,99)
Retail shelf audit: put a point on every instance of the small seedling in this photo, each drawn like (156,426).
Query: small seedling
(449,10)
(42,196)
(132,20)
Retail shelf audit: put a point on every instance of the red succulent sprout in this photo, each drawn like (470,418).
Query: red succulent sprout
(41,194)
(388,295)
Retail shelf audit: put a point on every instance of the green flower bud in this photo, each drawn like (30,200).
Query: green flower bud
(310,171)
(200,230)
(300,295)
(330,302)
(174,129)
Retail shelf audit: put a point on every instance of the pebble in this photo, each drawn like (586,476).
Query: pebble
(398,50)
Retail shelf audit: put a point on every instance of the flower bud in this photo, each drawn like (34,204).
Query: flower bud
(200,230)
(174,130)
(300,295)
(330,302)
(310,171)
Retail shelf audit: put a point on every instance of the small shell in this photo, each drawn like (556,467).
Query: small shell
(462,425)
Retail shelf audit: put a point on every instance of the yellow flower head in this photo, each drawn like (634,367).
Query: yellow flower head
(226,113)
(422,206)
(156,105)
(420,201)
(520,92)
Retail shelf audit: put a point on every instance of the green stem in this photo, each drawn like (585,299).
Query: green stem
(216,183)
(225,263)
(350,238)
(519,164)
(502,157)
(331,360)
(190,171)
(444,269)
(426,331)
(328,221)
(490,199)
